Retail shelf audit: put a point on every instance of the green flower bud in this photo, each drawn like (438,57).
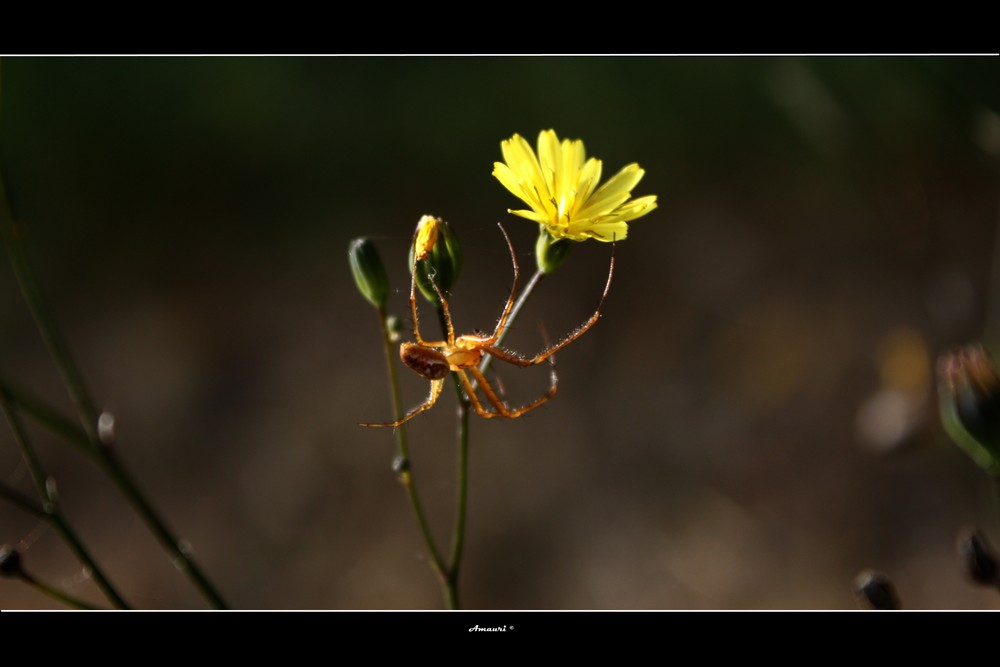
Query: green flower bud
(369,272)
(550,252)
(969,401)
(443,257)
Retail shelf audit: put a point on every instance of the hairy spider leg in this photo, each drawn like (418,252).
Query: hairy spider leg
(436,386)
(488,346)
(518,360)
(502,322)
(501,409)
(416,319)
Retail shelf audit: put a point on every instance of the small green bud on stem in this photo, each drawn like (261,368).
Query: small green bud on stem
(369,272)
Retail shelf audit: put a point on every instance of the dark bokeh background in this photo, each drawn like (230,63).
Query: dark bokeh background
(751,423)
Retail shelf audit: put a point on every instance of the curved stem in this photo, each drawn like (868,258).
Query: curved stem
(462,459)
(46,416)
(461,501)
(50,504)
(461,483)
(13,240)
(178,549)
(55,593)
(88,412)
(22,502)
(405,474)
(518,305)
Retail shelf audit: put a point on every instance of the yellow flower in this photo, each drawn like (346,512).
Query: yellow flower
(560,186)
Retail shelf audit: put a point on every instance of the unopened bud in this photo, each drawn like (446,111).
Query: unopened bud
(550,253)
(873,590)
(978,558)
(435,254)
(369,272)
(969,399)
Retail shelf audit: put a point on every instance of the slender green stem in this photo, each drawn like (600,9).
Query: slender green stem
(54,515)
(46,416)
(88,412)
(518,305)
(22,502)
(13,240)
(405,473)
(461,483)
(179,550)
(55,593)
(461,501)
(106,457)
(462,458)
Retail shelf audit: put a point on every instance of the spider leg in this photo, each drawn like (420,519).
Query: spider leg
(501,409)
(444,309)
(519,360)
(413,301)
(436,386)
(502,322)
(441,300)
(470,391)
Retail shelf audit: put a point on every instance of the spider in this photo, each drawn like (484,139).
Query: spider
(434,360)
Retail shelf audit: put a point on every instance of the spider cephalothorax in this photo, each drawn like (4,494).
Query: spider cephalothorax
(435,360)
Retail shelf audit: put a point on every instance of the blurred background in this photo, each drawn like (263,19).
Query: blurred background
(750,424)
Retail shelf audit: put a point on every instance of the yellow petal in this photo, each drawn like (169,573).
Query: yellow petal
(563,190)
(548,156)
(503,174)
(521,159)
(608,231)
(636,208)
(530,215)
(570,162)
(590,176)
(618,185)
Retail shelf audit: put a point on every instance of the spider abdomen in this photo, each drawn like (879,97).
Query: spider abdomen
(425,361)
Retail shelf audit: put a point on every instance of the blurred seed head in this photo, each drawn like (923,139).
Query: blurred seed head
(873,590)
(10,561)
(977,556)
(969,400)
